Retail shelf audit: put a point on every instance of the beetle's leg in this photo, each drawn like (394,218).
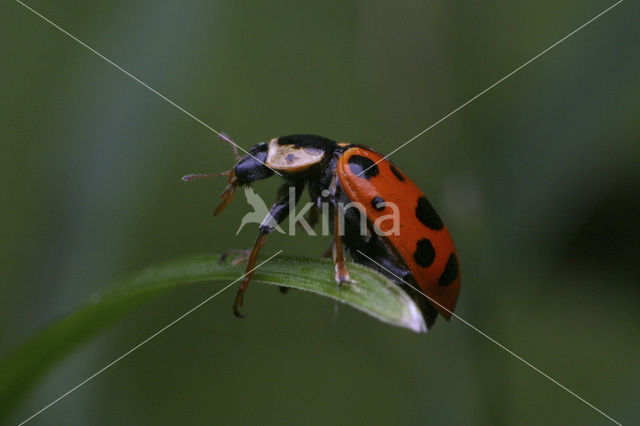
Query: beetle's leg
(384,259)
(228,193)
(240,255)
(314,216)
(329,251)
(283,191)
(283,289)
(342,274)
(312,219)
(277,214)
(227,139)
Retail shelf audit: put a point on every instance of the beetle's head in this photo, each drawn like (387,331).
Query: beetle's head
(252,166)
(248,169)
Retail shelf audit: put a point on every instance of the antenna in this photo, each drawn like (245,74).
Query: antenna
(227,139)
(193,176)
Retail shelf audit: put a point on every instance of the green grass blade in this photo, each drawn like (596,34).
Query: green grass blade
(372,293)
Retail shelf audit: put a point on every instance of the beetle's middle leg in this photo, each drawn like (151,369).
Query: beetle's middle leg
(342,274)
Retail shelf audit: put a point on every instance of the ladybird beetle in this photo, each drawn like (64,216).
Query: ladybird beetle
(420,253)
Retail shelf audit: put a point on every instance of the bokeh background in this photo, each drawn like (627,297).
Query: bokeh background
(538,181)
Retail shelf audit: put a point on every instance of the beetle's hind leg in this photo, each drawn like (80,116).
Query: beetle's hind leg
(389,265)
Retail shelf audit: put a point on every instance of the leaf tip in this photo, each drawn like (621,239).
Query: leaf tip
(413,319)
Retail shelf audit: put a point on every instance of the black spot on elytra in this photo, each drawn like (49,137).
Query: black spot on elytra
(378,203)
(450,272)
(359,164)
(397,173)
(425,253)
(427,215)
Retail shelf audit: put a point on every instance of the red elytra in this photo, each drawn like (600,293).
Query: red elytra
(423,243)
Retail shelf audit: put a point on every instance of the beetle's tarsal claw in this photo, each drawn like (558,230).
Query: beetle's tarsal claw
(342,276)
(238,302)
(237,313)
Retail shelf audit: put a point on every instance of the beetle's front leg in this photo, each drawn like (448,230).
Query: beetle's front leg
(277,214)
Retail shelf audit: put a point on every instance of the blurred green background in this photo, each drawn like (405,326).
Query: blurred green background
(538,182)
